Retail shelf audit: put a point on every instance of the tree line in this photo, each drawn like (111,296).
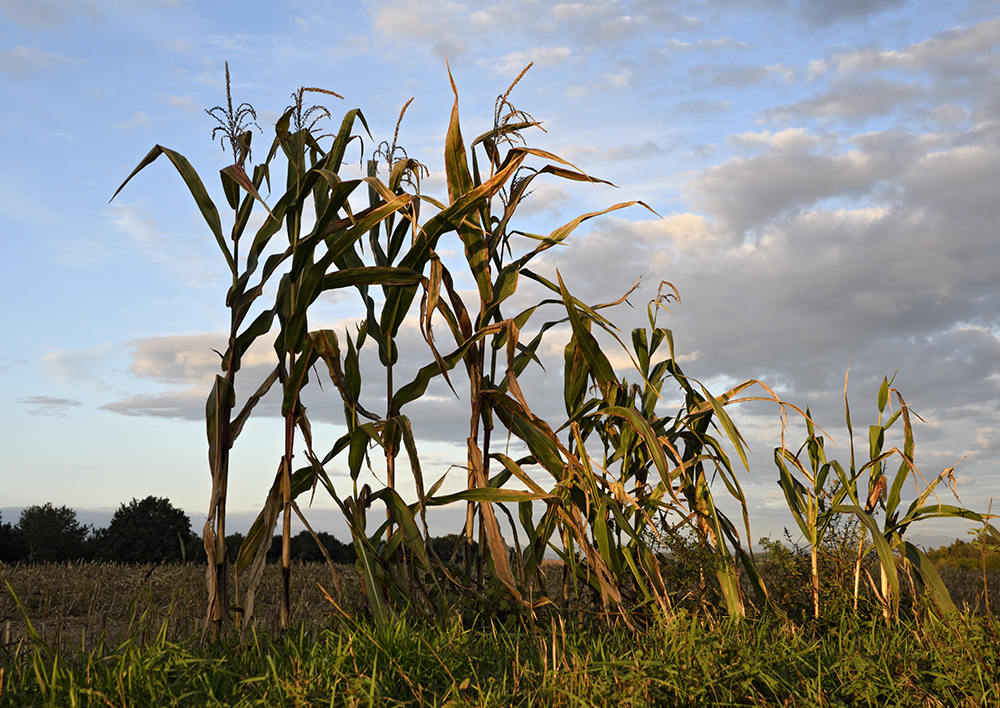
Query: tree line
(149,530)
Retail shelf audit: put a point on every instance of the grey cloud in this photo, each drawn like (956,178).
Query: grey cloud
(738,76)
(957,69)
(814,14)
(956,184)
(22,63)
(7,364)
(952,53)
(182,404)
(46,14)
(823,12)
(742,193)
(852,100)
(446,27)
(84,367)
(177,359)
(48,405)
(643,150)
(718,43)
(188,365)
(906,280)
(703,107)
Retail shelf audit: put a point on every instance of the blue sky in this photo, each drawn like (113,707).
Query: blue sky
(826,174)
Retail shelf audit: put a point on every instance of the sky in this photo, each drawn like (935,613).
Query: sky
(824,176)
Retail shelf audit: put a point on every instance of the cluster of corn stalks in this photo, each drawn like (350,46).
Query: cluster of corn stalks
(606,479)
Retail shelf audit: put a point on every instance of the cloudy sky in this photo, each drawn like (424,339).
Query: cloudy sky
(826,176)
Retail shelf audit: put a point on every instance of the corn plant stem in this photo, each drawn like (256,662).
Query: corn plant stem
(286,487)
(475,399)
(815,582)
(220,477)
(857,571)
(487,436)
(390,447)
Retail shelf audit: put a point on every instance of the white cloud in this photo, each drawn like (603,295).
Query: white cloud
(138,119)
(791,140)
(191,358)
(607,81)
(88,368)
(718,43)
(512,63)
(185,103)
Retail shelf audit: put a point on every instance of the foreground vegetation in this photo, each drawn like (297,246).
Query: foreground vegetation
(852,659)
(129,635)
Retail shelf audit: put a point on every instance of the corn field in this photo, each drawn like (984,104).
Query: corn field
(605,489)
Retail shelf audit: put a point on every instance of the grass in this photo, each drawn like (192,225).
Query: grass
(685,661)
(694,658)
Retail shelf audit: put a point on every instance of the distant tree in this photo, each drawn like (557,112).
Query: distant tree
(47,533)
(7,550)
(234,541)
(148,531)
(304,548)
(968,554)
(447,547)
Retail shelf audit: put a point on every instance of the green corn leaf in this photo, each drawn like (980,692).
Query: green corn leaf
(908,444)
(536,434)
(488,494)
(654,444)
(883,395)
(251,402)
(456,163)
(931,579)
(794,495)
(373,578)
(727,425)
(298,377)
(893,498)
(886,558)
(259,327)
(335,157)
(575,377)
(597,362)
(234,174)
(197,190)
(876,439)
(606,546)
(403,516)
(217,410)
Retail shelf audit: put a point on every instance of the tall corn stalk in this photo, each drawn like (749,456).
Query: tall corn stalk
(336,229)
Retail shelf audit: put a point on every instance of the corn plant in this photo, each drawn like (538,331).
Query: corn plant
(609,476)
(811,507)
(651,466)
(883,498)
(312,176)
